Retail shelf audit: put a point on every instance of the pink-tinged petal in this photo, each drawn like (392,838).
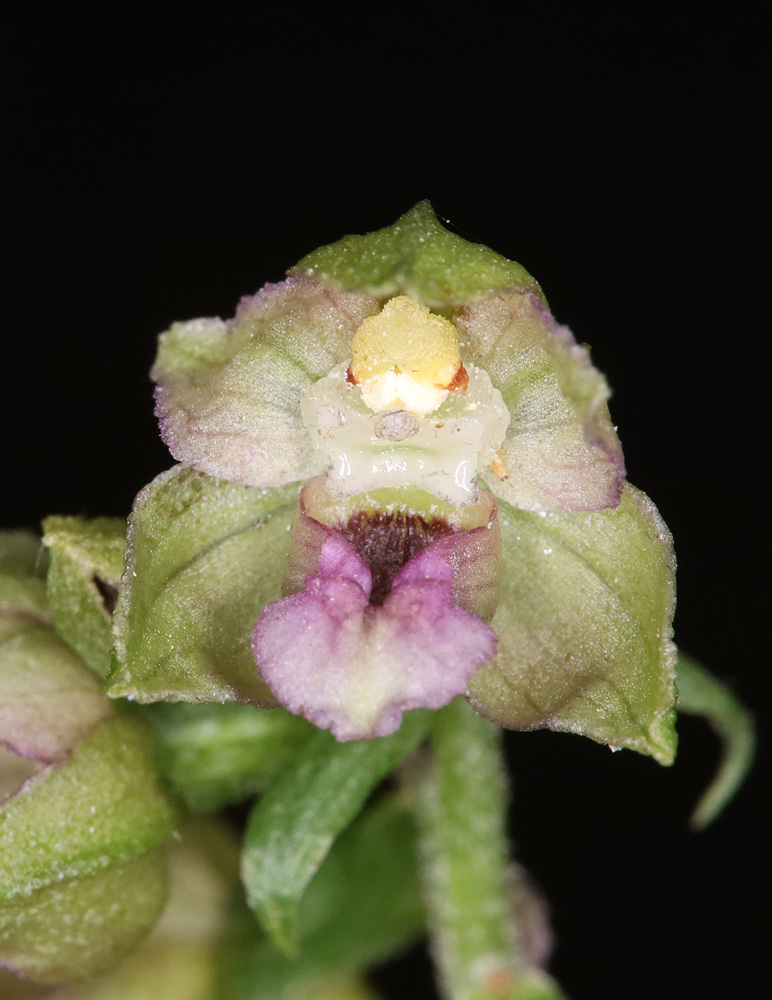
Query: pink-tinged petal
(561,452)
(354,668)
(228,394)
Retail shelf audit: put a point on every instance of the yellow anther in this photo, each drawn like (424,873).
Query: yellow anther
(405,356)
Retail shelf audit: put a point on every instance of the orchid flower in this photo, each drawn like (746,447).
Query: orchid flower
(400,483)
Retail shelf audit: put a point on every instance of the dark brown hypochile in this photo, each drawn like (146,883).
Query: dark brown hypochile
(107,592)
(386,540)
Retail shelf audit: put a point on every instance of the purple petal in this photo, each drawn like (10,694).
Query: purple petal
(354,668)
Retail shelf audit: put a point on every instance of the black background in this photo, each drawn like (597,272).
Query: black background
(163,166)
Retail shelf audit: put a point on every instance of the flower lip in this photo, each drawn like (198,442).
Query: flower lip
(354,667)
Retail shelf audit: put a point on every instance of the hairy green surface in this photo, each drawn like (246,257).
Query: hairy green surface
(85,572)
(101,807)
(81,874)
(461,800)
(204,557)
(584,626)
(82,926)
(416,256)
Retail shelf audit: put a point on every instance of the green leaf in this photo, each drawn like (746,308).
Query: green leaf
(584,626)
(204,557)
(217,755)
(416,256)
(83,579)
(365,903)
(257,971)
(700,693)
(81,839)
(294,824)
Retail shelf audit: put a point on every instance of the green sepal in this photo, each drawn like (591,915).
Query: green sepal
(257,971)
(180,958)
(218,755)
(415,256)
(77,839)
(584,626)
(203,559)
(294,824)
(83,579)
(700,693)
(83,926)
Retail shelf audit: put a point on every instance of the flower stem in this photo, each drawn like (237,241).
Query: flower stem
(478,939)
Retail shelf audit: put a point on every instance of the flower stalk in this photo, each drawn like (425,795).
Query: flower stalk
(478,945)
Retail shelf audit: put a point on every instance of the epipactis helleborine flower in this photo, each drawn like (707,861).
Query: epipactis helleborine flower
(465,526)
